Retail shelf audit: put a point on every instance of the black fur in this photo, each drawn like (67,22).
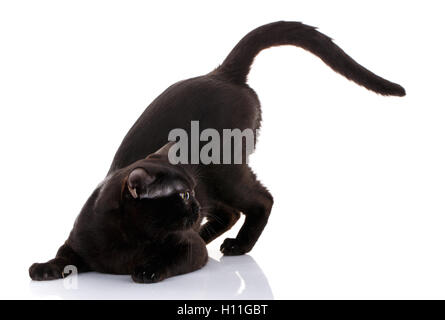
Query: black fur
(138,221)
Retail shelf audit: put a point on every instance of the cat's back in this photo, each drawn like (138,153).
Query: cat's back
(207,99)
(214,102)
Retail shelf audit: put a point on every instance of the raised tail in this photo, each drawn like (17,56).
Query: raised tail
(237,64)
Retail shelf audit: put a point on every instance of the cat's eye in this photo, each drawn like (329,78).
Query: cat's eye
(184,195)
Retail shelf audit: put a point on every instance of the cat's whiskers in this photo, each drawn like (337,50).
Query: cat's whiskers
(215,217)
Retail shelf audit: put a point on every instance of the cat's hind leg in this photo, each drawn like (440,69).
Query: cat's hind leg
(244,192)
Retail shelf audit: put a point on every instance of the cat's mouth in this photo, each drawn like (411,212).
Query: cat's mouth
(190,221)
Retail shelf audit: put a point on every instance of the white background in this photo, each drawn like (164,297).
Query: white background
(358,179)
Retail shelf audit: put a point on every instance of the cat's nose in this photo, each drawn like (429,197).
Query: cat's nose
(195,207)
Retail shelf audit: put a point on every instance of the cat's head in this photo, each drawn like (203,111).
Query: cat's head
(150,196)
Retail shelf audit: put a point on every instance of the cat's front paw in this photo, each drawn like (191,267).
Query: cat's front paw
(45,271)
(148,274)
(232,247)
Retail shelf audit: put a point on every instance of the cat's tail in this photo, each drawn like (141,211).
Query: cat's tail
(237,64)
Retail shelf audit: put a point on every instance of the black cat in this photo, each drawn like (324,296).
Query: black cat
(145,218)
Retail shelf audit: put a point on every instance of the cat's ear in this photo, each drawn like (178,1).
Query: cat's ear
(163,151)
(138,182)
(144,185)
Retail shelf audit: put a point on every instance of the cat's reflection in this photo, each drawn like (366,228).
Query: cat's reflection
(229,278)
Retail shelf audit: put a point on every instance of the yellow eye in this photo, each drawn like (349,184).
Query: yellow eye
(184,195)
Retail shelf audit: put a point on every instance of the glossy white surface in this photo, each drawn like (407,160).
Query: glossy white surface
(357,178)
(226,278)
